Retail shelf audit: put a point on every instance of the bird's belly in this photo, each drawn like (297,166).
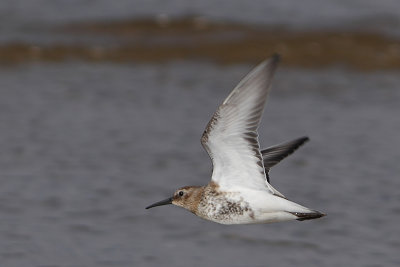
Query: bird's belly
(227,211)
(234,209)
(230,218)
(249,217)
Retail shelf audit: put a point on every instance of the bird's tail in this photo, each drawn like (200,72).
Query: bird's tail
(303,216)
(300,212)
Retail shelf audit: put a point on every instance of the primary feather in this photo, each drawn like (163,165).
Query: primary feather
(231,138)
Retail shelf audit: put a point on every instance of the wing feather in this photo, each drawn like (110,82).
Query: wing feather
(274,154)
(231,137)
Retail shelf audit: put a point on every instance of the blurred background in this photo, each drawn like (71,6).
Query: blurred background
(102,105)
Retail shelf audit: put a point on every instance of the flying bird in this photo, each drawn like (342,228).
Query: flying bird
(240,191)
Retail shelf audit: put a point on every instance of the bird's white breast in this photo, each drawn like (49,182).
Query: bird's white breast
(246,207)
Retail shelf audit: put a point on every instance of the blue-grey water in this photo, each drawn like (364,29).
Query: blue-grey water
(85,147)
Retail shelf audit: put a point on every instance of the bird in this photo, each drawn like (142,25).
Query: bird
(240,191)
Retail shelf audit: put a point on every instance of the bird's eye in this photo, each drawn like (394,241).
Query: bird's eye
(180,193)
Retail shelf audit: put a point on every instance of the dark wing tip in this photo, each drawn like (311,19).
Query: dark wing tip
(272,62)
(304,139)
(273,155)
(275,58)
(301,141)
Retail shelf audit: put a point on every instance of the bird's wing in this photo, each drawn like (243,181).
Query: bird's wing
(231,137)
(274,154)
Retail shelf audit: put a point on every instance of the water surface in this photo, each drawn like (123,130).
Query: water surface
(85,147)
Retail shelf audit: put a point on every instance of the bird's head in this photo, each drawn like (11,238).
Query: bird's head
(187,197)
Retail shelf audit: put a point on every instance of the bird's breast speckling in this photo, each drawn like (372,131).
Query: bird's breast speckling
(224,207)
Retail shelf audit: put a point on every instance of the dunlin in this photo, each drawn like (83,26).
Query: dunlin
(239,191)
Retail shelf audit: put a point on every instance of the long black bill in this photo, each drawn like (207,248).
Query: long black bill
(160,203)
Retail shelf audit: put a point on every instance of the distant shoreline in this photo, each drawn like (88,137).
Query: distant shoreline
(195,38)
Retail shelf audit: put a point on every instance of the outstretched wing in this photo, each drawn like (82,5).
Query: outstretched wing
(274,154)
(231,137)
